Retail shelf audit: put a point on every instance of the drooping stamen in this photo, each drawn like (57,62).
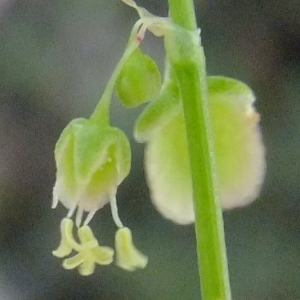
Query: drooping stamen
(114,210)
(89,217)
(67,234)
(128,256)
(55,198)
(79,215)
(71,211)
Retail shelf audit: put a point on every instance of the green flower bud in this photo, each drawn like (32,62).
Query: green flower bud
(240,154)
(139,80)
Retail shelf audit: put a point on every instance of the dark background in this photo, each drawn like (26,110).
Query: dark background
(55,59)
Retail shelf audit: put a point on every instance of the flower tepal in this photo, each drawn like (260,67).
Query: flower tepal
(92,160)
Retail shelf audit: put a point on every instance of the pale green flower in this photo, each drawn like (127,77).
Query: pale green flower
(240,154)
(92,160)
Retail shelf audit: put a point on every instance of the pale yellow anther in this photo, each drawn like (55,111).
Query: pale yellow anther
(127,256)
(66,243)
(89,251)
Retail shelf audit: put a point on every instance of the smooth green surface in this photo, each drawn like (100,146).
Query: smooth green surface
(191,74)
(182,12)
(139,80)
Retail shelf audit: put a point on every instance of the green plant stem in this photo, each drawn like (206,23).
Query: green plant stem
(211,247)
(183,13)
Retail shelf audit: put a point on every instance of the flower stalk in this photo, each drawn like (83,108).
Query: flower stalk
(101,112)
(191,75)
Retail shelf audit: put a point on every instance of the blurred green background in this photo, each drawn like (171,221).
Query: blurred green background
(55,59)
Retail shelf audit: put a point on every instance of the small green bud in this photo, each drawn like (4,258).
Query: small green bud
(139,80)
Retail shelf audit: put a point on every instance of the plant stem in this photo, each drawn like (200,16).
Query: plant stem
(211,247)
(183,13)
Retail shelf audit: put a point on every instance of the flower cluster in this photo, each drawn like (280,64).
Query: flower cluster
(93,158)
